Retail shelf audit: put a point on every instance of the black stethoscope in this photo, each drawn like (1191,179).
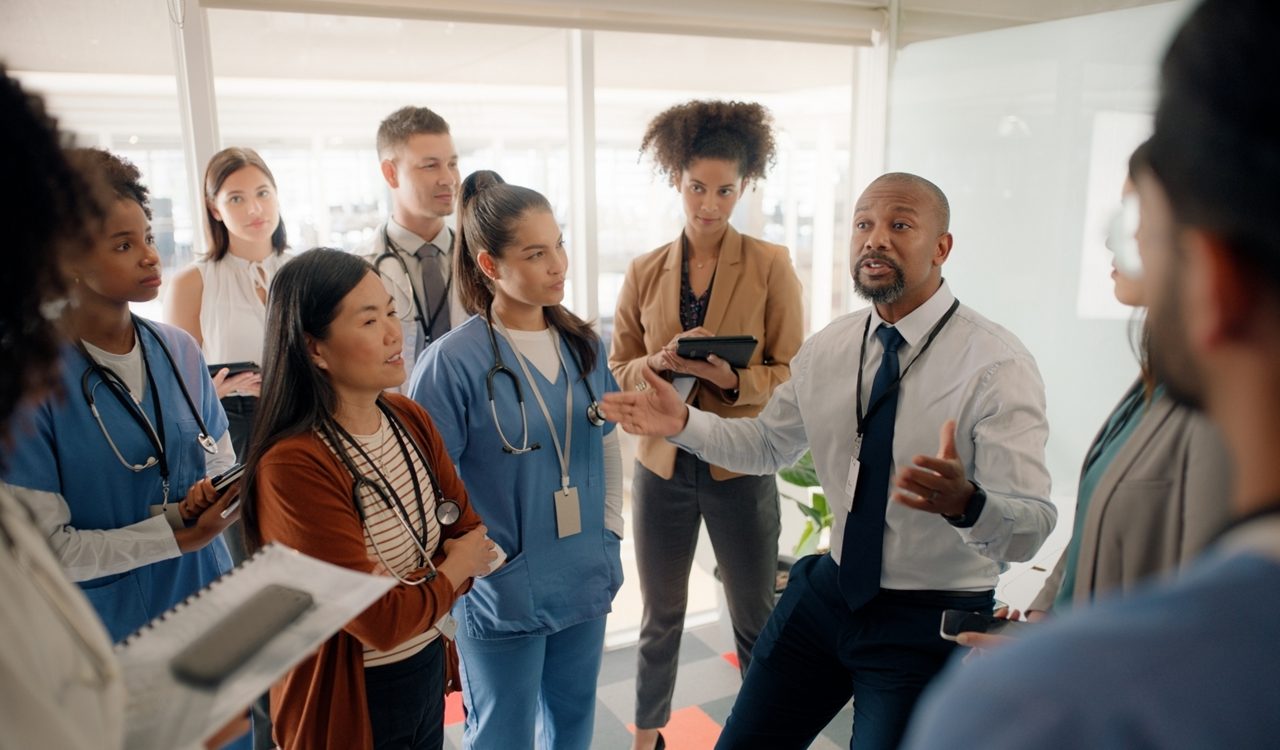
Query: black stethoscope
(392,251)
(154,432)
(447,511)
(500,368)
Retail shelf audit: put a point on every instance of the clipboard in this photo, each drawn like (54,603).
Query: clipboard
(736,350)
(165,708)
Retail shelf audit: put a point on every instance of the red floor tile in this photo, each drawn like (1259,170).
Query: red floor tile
(453,709)
(731,657)
(689,729)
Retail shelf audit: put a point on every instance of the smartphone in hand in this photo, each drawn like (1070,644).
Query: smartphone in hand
(957,621)
(223,481)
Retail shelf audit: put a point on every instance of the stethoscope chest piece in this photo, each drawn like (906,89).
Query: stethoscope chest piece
(448,512)
(593,414)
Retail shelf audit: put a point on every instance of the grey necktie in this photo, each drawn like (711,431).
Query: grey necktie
(435,291)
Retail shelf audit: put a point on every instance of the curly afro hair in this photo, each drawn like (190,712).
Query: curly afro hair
(122,179)
(48,211)
(741,132)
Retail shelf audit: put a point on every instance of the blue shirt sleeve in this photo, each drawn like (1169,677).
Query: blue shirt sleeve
(442,392)
(29,458)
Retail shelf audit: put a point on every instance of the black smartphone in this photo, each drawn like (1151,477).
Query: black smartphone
(235,368)
(233,640)
(957,621)
(224,480)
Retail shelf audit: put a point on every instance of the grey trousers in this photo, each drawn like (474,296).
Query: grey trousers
(743,523)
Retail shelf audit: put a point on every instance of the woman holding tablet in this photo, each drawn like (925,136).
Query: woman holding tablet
(221,300)
(711,280)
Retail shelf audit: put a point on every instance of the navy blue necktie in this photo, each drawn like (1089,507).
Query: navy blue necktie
(863,544)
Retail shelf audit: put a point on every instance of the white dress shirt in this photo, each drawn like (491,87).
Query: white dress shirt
(976,373)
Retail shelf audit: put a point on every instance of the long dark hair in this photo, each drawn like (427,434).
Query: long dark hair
(489,210)
(296,395)
(225,163)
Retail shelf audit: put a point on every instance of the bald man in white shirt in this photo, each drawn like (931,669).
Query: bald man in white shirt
(927,426)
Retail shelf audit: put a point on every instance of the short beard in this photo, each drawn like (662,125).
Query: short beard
(880,295)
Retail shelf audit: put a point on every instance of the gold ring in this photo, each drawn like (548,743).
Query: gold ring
(642,386)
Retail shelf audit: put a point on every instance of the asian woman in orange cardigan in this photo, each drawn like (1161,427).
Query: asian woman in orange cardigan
(711,280)
(343,471)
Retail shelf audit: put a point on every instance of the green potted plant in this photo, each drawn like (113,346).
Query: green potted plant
(818,512)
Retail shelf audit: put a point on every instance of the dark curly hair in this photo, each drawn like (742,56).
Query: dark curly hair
(120,177)
(740,132)
(48,211)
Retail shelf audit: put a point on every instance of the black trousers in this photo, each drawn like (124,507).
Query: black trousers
(815,653)
(406,701)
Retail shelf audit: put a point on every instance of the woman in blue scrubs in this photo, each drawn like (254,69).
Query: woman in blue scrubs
(512,391)
(136,525)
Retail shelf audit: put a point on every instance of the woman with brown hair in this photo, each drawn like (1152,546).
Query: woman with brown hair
(711,280)
(221,300)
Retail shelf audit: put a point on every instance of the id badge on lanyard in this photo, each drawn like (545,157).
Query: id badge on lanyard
(568,506)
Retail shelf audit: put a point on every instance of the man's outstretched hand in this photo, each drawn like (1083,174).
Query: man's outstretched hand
(654,408)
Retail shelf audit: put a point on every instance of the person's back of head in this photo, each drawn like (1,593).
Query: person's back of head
(1216,148)
(48,207)
(1209,202)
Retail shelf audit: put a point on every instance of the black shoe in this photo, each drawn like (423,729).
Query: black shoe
(661,744)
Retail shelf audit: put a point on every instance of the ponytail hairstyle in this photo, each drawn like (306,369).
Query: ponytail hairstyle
(489,210)
(225,163)
(297,396)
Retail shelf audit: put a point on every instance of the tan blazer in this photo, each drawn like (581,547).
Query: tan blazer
(1159,503)
(755,292)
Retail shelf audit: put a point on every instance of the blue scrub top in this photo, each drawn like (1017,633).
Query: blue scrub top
(547,583)
(57,447)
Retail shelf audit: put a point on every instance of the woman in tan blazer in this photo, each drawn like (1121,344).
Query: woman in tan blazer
(711,280)
(1151,482)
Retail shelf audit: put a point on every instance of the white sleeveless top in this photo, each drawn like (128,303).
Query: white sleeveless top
(232,316)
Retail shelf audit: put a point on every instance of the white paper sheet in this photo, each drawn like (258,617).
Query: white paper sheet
(164,712)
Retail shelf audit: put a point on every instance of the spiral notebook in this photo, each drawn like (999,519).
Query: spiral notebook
(166,712)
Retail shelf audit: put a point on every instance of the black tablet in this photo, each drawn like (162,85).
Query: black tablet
(736,350)
(235,367)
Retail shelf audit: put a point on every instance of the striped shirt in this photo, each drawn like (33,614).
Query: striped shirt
(388,542)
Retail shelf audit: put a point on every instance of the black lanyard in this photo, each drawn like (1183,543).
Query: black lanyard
(386,492)
(862,358)
(430,323)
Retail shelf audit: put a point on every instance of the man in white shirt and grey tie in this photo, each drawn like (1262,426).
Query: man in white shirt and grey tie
(927,426)
(412,250)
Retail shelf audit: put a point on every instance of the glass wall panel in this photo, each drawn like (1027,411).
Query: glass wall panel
(106,71)
(1028,131)
(804,199)
(308,92)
